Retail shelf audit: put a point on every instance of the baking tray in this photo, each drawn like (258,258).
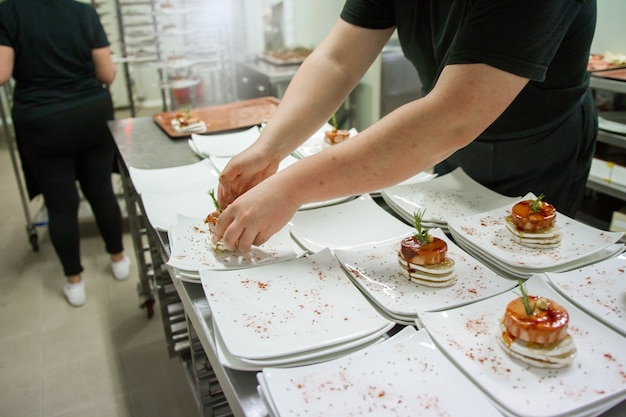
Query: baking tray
(220,118)
(612,74)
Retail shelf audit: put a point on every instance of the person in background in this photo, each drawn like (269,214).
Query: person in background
(58,54)
(507,99)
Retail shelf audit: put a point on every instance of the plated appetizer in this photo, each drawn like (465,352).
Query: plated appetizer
(211,219)
(532,223)
(533,329)
(186,121)
(424,257)
(336,135)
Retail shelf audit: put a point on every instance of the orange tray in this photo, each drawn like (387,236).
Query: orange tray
(613,74)
(231,116)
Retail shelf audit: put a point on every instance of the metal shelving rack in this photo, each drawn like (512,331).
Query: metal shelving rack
(612,139)
(188,43)
(32,221)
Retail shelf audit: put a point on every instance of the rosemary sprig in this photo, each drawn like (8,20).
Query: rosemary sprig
(536,205)
(333,122)
(422,234)
(525,299)
(215,203)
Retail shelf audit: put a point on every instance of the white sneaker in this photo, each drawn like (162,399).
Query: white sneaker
(121,269)
(75,293)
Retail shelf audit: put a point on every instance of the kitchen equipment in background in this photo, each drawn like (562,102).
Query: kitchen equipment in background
(399,81)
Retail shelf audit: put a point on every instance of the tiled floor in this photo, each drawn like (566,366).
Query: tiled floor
(103,359)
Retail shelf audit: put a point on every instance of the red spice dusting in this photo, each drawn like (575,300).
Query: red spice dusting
(609,357)
(262,285)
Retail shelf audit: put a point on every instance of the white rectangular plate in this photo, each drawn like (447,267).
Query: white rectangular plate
(487,233)
(597,376)
(403,376)
(192,249)
(288,308)
(599,289)
(376,269)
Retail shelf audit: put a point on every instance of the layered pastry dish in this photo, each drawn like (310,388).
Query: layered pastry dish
(424,257)
(532,223)
(533,329)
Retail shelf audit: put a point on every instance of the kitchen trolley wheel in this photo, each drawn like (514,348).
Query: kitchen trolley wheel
(33,238)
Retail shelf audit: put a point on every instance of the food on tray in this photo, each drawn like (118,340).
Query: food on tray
(532,223)
(336,135)
(533,329)
(287,55)
(607,60)
(187,121)
(424,257)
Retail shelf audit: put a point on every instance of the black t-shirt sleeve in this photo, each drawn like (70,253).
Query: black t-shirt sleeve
(98,35)
(518,37)
(370,14)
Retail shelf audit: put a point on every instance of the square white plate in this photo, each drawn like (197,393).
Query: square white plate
(225,144)
(452,195)
(377,271)
(191,248)
(598,374)
(599,289)
(162,209)
(288,308)
(356,223)
(197,176)
(404,377)
(487,233)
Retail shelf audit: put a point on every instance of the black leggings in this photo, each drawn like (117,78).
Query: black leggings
(71,146)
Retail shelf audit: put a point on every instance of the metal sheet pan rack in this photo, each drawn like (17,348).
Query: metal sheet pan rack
(33,220)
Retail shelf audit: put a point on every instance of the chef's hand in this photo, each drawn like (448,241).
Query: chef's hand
(254,217)
(244,171)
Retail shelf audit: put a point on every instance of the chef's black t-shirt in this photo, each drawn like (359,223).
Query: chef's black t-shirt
(545,41)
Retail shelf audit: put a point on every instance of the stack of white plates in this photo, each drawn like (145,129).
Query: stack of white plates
(191,250)
(598,289)
(166,192)
(406,375)
(302,311)
(593,383)
(360,222)
(378,273)
(486,237)
(452,195)
(223,144)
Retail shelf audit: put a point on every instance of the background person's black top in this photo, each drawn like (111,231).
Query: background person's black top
(60,75)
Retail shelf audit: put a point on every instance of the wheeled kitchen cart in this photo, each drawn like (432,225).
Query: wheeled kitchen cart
(32,221)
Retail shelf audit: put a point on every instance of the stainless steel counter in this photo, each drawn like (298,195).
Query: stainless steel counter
(142,144)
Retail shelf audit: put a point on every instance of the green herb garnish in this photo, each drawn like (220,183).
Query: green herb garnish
(333,122)
(526,300)
(422,234)
(536,205)
(215,203)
